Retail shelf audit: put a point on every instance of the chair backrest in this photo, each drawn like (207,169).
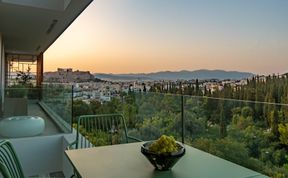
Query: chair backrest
(9,163)
(98,130)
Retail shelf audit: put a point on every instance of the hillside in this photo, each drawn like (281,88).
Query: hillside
(178,75)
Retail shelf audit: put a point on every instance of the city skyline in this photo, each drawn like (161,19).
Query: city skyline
(149,36)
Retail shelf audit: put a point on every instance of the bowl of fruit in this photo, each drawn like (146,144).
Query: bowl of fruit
(163,153)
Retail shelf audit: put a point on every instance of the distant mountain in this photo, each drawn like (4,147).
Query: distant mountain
(120,77)
(178,75)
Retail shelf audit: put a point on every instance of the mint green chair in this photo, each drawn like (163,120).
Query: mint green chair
(102,129)
(10,166)
(99,130)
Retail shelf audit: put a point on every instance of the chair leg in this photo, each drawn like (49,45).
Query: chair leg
(75,174)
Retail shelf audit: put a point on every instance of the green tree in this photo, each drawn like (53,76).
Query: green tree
(247,111)
(80,108)
(95,107)
(283,130)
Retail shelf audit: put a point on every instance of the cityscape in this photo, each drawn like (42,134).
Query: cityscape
(87,87)
(142,89)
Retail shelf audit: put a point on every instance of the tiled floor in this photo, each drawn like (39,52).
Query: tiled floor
(35,110)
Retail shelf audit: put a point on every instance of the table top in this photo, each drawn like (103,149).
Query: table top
(127,161)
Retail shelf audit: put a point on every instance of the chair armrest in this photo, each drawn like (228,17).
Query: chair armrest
(134,138)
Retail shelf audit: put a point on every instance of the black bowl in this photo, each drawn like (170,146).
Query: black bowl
(163,161)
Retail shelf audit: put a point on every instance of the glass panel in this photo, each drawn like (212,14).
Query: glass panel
(248,133)
(21,70)
(149,115)
(251,134)
(58,99)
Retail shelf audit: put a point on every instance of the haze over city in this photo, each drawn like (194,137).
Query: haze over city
(142,36)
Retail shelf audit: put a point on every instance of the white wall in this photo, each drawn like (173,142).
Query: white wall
(40,155)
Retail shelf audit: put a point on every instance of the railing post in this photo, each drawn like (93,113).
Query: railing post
(182,112)
(72,110)
(182,117)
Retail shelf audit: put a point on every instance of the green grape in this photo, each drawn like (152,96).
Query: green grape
(165,144)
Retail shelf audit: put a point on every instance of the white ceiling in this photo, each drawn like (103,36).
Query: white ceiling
(31,26)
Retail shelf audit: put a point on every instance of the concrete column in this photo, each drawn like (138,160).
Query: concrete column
(39,77)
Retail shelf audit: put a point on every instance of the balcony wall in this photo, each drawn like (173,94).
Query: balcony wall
(42,155)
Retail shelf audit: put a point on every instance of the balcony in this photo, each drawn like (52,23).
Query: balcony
(40,154)
(53,103)
(230,129)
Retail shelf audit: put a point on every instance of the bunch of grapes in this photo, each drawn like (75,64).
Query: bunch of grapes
(165,144)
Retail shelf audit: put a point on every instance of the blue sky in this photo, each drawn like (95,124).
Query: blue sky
(123,36)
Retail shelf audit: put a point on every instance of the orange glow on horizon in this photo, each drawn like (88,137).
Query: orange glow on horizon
(111,37)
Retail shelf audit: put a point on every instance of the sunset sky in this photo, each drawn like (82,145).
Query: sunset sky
(136,36)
